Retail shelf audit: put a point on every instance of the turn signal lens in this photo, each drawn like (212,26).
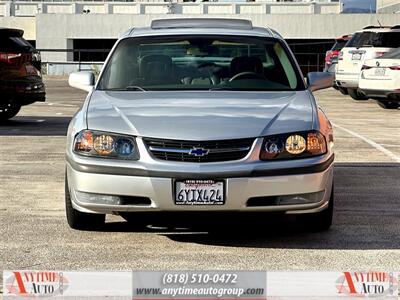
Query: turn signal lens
(295,144)
(316,143)
(104,144)
(378,54)
(84,141)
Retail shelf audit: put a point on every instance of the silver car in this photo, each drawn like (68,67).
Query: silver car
(199,115)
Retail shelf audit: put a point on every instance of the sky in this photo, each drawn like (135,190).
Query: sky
(359,4)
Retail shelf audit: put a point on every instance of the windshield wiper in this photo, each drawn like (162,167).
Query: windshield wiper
(135,88)
(365,46)
(223,89)
(128,88)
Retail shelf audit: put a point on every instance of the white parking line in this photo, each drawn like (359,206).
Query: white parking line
(62,105)
(370,142)
(68,105)
(390,145)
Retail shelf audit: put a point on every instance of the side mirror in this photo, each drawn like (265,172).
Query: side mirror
(319,80)
(82,80)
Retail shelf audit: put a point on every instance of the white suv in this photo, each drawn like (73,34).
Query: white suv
(369,43)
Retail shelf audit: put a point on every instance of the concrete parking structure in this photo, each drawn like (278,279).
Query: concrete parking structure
(35,234)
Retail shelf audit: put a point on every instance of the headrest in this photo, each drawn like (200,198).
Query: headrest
(246,64)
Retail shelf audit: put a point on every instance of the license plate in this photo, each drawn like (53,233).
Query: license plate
(380,72)
(356,56)
(199,192)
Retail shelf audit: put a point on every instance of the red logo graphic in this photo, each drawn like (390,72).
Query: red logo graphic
(31,283)
(367,284)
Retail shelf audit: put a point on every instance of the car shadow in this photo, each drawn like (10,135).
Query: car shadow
(367,216)
(35,126)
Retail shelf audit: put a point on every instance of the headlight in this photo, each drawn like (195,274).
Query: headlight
(103,144)
(293,145)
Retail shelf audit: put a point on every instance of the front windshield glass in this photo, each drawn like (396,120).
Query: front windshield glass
(200,63)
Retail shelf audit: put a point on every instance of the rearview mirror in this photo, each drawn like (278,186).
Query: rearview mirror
(319,80)
(82,80)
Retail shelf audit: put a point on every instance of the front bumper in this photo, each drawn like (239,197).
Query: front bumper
(159,190)
(346,80)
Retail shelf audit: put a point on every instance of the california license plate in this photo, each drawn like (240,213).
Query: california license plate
(199,192)
(356,56)
(380,72)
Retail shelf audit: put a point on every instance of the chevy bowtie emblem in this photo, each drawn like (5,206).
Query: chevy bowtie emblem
(198,151)
(378,64)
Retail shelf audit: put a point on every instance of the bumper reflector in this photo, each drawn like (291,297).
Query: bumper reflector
(92,198)
(286,199)
(97,198)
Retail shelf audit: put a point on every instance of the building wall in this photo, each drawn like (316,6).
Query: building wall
(98,26)
(25,8)
(383,3)
(28,24)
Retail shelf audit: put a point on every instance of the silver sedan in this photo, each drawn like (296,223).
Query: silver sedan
(195,115)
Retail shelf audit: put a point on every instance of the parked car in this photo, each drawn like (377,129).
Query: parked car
(20,78)
(380,79)
(199,115)
(369,43)
(331,57)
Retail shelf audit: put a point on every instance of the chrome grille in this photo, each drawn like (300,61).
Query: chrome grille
(203,151)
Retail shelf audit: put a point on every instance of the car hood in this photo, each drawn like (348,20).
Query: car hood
(200,115)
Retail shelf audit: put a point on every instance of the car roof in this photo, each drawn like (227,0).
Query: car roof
(395,28)
(344,37)
(11,32)
(194,26)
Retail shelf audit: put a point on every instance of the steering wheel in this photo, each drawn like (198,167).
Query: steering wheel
(246,75)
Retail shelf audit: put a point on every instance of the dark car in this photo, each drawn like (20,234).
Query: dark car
(20,77)
(331,58)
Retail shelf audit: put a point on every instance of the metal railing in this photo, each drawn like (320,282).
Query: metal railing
(270,1)
(309,62)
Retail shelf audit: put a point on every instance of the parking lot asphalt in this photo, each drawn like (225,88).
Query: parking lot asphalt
(34,233)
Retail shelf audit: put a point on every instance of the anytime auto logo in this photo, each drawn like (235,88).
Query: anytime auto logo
(367,284)
(32,283)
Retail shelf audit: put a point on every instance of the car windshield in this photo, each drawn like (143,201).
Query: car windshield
(375,39)
(200,63)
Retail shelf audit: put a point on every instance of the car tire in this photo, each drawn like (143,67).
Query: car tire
(388,104)
(79,220)
(343,91)
(8,110)
(320,221)
(356,95)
